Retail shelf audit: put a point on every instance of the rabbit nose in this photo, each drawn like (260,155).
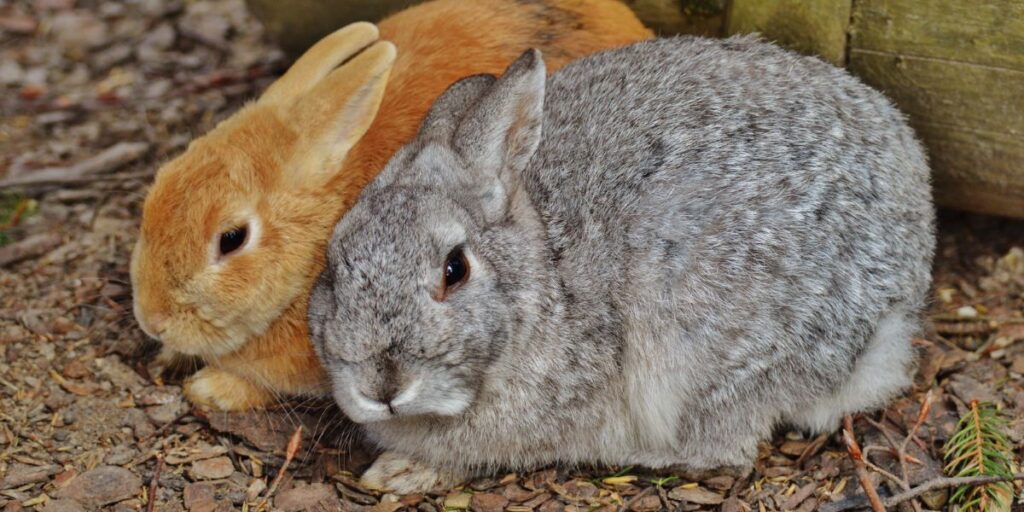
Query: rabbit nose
(388,384)
(158,322)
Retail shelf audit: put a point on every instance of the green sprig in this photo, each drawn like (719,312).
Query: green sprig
(979,448)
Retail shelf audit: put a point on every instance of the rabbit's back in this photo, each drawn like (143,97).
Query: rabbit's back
(758,211)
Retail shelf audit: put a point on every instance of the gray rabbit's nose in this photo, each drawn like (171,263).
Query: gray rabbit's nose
(388,380)
(390,399)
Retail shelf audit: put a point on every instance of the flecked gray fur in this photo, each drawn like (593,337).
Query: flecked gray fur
(699,240)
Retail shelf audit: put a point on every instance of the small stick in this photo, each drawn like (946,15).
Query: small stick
(858,462)
(155,482)
(289,454)
(625,506)
(872,448)
(165,426)
(939,483)
(901,452)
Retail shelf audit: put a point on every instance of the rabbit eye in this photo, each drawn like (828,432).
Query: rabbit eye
(456,269)
(232,239)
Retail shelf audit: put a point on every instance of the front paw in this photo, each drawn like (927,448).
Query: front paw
(399,474)
(224,391)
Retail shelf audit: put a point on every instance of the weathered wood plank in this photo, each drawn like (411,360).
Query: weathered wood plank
(670,17)
(978,97)
(974,171)
(971,118)
(816,27)
(989,32)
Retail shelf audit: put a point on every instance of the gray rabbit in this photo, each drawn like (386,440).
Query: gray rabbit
(656,256)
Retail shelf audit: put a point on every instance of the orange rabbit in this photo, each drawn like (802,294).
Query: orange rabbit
(234,230)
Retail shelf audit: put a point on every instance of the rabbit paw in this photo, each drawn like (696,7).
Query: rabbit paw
(224,391)
(397,473)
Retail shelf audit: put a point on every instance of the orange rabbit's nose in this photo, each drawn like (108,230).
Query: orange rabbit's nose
(158,322)
(152,324)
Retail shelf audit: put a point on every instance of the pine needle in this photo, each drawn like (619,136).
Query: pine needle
(979,448)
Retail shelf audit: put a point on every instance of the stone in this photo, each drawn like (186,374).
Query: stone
(21,474)
(212,469)
(517,494)
(320,497)
(720,483)
(457,500)
(487,502)
(79,30)
(552,506)
(102,486)
(197,494)
(1017,366)
(799,496)
(166,413)
(578,489)
(63,506)
(697,495)
(646,504)
(120,374)
(120,455)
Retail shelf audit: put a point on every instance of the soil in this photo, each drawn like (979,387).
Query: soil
(95,95)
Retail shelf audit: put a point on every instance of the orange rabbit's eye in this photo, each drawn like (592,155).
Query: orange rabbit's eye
(232,239)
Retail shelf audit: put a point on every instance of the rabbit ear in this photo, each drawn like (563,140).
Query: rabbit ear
(318,61)
(335,114)
(501,131)
(450,106)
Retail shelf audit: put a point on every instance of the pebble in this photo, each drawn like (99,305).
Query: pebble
(166,413)
(488,502)
(720,483)
(102,486)
(696,495)
(158,395)
(197,494)
(457,500)
(967,312)
(646,504)
(255,489)
(76,369)
(1017,366)
(552,506)
(60,436)
(120,455)
(120,374)
(21,474)
(63,506)
(79,30)
(580,489)
(307,497)
(212,469)
(517,494)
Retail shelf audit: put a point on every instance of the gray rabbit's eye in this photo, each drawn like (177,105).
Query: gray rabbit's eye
(456,270)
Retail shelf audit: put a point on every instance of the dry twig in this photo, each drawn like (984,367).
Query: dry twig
(154,483)
(110,159)
(939,483)
(858,462)
(289,454)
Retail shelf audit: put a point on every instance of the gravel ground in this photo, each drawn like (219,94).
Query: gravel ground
(96,94)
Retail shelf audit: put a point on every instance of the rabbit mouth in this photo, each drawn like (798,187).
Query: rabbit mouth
(421,397)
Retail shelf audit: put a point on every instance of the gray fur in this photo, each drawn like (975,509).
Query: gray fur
(713,238)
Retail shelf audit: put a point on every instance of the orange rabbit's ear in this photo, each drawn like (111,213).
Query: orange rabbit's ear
(324,56)
(335,114)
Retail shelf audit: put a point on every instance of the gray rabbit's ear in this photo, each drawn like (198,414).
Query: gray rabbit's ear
(450,106)
(499,133)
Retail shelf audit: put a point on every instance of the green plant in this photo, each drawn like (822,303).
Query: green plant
(979,448)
